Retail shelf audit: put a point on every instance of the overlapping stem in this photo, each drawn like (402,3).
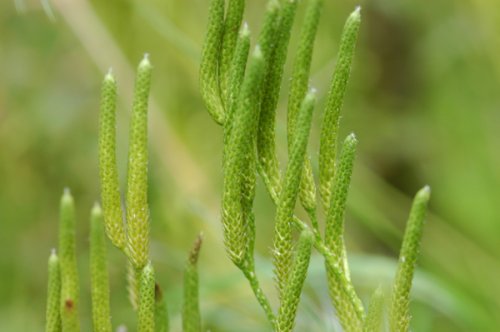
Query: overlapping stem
(282,252)
(240,147)
(277,33)
(330,125)
(399,315)
(99,279)
(298,89)
(334,238)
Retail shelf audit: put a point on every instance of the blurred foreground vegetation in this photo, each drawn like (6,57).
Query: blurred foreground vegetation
(423,101)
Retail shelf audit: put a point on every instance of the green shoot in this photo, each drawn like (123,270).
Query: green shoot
(53,315)
(330,125)
(70,289)
(399,315)
(191,318)
(99,279)
(146,310)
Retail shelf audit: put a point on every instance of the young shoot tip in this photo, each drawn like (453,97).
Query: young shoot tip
(257,53)
(145,62)
(245,30)
(96,209)
(352,138)
(424,193)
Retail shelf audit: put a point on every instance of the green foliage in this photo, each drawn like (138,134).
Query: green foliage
(53,316)
(70,288)
(258,99)
(99,279)
(191,321)
(244,100)
(400,303)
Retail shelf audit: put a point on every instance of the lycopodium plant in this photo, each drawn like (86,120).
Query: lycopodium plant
(241,90)
(127,227)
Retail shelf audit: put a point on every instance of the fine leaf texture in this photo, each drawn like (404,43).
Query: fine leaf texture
(70,289)
(282,253)
(52,315)
(330,125)
(146,310)
(334,238)
(399,315)
(232,24)
(99,279)
(334,230)
(298,89)
(108,170)
(137,181)
(238,183)
(237,75)
(291,298)
(275,61)
(209,77)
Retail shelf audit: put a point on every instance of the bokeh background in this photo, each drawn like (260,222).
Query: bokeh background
(423,99)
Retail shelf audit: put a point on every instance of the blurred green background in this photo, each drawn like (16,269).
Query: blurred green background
(423,99)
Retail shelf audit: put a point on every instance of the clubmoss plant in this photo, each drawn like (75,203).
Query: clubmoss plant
(241,93)
(127,229)
(248,120)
